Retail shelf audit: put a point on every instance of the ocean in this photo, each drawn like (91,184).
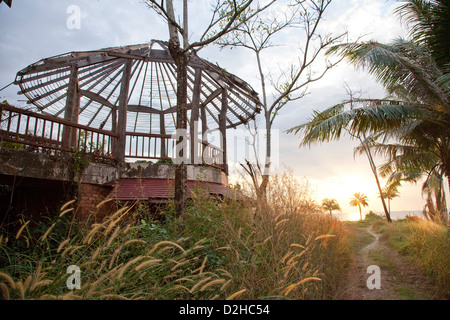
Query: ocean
(395,215)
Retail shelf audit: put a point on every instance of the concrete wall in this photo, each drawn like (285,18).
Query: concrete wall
(35,165)
(93,180)
(167,171)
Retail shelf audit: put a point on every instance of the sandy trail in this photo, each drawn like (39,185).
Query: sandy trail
(398,279)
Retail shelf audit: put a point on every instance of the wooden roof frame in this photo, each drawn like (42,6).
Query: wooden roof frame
(97,80)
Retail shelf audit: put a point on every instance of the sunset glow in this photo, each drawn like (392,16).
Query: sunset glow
(343,187)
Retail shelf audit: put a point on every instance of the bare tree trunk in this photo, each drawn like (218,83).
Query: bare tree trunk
(266,174)
(180,59)
(181,168)
(374,170)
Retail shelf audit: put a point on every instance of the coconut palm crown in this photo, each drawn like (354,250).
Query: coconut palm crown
(411,125)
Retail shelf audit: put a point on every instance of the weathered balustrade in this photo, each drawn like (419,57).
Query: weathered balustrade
(35,132)
(47,134)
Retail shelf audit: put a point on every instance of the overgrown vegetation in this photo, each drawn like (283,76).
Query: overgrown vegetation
(220,250)
(427,243)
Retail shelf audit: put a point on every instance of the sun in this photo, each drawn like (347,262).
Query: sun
(343,187)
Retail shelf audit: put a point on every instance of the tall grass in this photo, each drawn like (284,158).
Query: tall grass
(222,249)
(428,243)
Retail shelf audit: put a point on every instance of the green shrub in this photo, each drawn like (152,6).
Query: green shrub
(220,249)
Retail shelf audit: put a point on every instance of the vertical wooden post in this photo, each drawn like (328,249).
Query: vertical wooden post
(72,109)
(223,129)
(162,130)
(204,130)
(122,112)
(194,116)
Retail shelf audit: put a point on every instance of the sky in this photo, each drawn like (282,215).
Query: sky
(36,29)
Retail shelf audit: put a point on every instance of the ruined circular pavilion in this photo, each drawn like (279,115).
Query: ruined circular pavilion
(120,104)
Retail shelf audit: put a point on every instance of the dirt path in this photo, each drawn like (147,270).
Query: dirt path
(399,279)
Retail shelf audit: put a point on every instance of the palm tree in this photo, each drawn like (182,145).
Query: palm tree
(411,126)
(433,185)
(390,191)
(330,205)
(359,200)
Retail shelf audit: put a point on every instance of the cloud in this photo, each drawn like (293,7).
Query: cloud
(36,29)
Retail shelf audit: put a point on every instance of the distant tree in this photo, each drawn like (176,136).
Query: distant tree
(330,205)
(226,17)
(390,191)
(258,35)
(359,200)
(434,185)
(411,126)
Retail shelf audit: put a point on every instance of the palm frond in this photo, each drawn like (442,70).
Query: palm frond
(429,24)
(401,67)
(369,116)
